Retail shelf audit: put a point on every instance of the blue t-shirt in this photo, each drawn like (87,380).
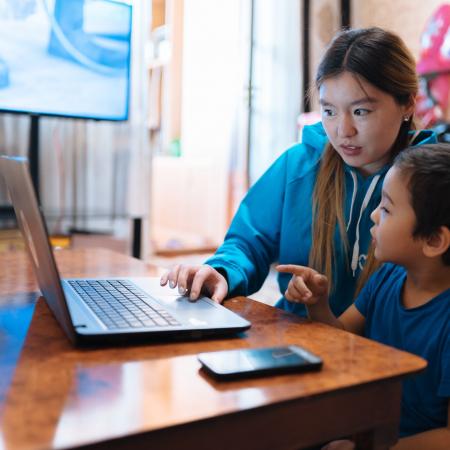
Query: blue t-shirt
(424,331)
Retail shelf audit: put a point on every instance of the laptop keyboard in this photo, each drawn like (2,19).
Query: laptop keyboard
(118,304)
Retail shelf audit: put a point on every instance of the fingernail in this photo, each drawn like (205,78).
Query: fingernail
(172,284)
(181,290)
(193,295)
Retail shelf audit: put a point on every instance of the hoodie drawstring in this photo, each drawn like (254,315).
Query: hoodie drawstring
(367,197)
(355,188)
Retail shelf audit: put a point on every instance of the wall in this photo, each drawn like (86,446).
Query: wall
(187,204)
(407,18)
(190,193)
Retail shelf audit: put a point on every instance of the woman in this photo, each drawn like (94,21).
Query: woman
(312,207)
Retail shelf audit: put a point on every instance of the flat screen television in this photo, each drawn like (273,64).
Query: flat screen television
(65,58)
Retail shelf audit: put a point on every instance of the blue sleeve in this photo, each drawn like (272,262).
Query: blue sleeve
(444,385)
(252,241)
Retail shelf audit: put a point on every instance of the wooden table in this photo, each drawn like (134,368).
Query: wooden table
(154,396)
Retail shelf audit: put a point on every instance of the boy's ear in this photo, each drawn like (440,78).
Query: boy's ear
(438,243)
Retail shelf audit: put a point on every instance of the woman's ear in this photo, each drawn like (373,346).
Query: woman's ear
(438,243)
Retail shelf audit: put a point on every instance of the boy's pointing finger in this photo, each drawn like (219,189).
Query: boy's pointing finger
(294,269)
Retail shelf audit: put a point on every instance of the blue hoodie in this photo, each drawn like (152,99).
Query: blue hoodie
(273,223)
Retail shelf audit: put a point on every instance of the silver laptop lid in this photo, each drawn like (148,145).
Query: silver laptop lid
(15,172)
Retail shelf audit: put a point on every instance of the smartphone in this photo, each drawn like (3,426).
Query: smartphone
(232,364)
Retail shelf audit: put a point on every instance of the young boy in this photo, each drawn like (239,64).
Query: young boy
(406,303)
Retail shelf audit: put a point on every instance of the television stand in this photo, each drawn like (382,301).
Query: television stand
(33,154)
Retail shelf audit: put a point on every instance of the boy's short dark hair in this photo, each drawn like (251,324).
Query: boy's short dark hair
(427,168)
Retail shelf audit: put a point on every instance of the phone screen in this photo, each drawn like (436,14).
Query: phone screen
(260,361)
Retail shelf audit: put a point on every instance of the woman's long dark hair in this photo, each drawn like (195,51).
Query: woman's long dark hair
(381,58)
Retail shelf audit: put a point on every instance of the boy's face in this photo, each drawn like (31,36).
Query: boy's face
(394,220)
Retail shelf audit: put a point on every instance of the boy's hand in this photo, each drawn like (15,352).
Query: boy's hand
(309,287)
(306,286)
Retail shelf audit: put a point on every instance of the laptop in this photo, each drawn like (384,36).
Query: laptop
(108,310)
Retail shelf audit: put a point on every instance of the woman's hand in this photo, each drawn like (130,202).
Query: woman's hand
(306,286)
(193,280)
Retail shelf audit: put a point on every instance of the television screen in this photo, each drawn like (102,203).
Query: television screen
(67,58)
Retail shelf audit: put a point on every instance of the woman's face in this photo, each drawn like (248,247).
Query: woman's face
(361,121)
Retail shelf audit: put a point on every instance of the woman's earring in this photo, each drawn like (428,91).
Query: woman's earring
(405,119)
